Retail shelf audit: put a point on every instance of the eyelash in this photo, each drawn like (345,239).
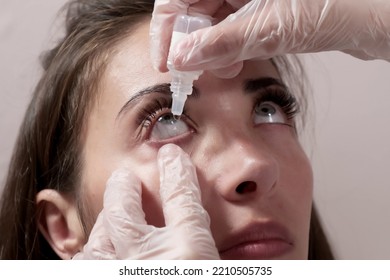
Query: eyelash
(286,101)
(149,114)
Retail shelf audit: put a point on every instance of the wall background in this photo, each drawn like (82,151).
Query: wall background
(350,150)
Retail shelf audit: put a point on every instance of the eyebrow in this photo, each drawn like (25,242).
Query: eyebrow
(162,88)
(249,86)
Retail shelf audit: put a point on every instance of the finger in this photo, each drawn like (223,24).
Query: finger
(163,18)
(230,71)
(238,37)
(124,216)
(160,32)
(205,8)
(185,217)
(99,246)
(179,189)
(215,47)
(238,4)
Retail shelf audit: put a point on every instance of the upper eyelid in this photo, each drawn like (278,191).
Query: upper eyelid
(259,84)
(278,87)
(266,94)
(282,97)
(153,108)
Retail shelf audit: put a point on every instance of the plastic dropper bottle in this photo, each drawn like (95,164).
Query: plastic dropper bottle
(182,81)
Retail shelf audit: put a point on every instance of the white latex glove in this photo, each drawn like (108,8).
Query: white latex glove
(266,28)
(164,15)
(121,231)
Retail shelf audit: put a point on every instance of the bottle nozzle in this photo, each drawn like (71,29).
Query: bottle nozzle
(178,104)
(182,82)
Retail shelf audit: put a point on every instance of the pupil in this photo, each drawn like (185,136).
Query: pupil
(168,118)
(267,110)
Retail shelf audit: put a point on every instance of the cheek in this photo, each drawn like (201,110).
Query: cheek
(296,188)
(294,195)
(295,167)
(296,184)
(144,165)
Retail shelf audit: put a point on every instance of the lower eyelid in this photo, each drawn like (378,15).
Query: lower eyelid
(178,140)
(188,121)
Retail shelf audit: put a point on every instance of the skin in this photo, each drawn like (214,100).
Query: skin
(269,154)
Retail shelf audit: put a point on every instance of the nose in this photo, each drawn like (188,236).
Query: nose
(242,170)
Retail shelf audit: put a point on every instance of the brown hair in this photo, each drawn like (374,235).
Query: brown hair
(48,150)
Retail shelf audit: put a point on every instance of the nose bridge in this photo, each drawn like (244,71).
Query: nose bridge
(239,164)
(254,161)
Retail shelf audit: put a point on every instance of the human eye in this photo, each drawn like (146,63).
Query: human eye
(275,106)
(168,126)
(158,124)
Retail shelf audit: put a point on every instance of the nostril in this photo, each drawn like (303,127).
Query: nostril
(246,187)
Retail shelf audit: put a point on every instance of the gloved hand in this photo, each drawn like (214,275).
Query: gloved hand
(266,28)
(121,231)
(164,15)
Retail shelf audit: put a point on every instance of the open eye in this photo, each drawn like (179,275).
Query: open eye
(269,112)
(167,126)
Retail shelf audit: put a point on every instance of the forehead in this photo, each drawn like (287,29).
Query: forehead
(130,69)
(130,66)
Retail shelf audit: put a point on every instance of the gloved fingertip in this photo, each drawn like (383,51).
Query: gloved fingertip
(229,72)
(168,150)
(120,175)
(188,54)
(161,68)
(121,182)
(157,57)
(183,53)
(158,62)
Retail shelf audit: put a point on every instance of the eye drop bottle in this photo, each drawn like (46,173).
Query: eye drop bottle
(182,81)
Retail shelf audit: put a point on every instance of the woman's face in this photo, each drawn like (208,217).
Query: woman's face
(252,171)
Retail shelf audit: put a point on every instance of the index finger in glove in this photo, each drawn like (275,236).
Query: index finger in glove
(179,189)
